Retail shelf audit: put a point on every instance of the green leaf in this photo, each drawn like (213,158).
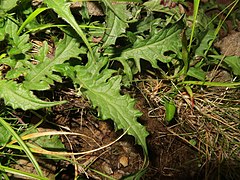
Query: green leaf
(23,145)
(22,173)
(170,110)
(197,73)
(15,73)
(156,47)
(19,44)
(61,7)
(193,142)
(111,105)
(205,42)
(50,142)
(2,30)
(18,66)
(234,63)
(7,5)
(11,29)
(155,5)
(103,91)
(39,76)
(30,18)
(115,26)
(213,84)
(17,96)
(8,61)
(110,5)
(4,135)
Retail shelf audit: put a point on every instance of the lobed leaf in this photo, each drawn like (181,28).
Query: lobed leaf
(17,96)
(103,91)
(19,44)
(40,76)
(156,5)
(104,94)
(205,39)
(115,25)
(156,47)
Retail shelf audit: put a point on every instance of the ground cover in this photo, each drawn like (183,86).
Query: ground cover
(119,90)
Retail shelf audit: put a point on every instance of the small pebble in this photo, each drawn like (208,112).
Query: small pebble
(107,169)
(123,160)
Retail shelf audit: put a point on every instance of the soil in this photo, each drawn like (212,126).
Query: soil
(201,142)
(230,45)
(169,156)
(118,160)
(172,152)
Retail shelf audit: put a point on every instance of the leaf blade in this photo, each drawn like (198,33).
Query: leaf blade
(63,10)
(23,145)
(170,110)
(155,47)
(234,63)
(39,76)
(111,105)
(103,91)
(17,96)
(115,25)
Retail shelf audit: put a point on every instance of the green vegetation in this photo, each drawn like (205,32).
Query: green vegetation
(177,45)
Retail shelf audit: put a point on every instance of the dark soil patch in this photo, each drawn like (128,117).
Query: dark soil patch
(170,157)
(215,153)
(171,154)
(120,159)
